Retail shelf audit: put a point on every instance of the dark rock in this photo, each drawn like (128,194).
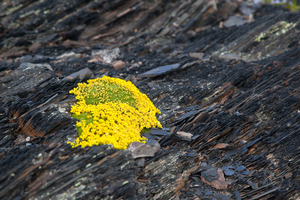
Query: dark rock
(210,174)
(158,132)
(214,177)
(240,168)
(227,171)
(159,71)
(249,100)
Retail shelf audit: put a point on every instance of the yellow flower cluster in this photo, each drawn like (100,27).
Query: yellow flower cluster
(111,111)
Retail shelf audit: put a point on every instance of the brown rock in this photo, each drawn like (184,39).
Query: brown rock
(219,183)
(118,64)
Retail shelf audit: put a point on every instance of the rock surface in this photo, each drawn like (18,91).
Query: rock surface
(235,90)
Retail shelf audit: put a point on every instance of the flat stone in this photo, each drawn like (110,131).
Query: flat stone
(227,171)
(185,136)
(141,150)
(82,75)
(199,56)
(230,56)
(159,70)
(240,168)
(26,66)
(153,143)
(106,56)
(158,132)
(214,177)
(210,174)
(118,64)
(234,21)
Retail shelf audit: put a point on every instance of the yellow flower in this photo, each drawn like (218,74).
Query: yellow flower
(111,111)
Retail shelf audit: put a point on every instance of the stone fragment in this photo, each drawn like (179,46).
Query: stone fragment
(41,58)
(159,70)
(26,66)
(214,177)
(153,143)
(140,162)
(185,136)
(227,171)
(118,64)
(288,175)
(220,146)
(234,21)
(199,56)
(82,75)
(140,150)
(106,56)
(158,132)
(69,55)
(230,56)
(240,168)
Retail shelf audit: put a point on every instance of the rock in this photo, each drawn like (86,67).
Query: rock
(106,56)
(26,66)
(140,150)
(185,136)
(227,171)
(234,21)
(159,70)
(214,177)
(82,75)
(118,64)
(140,162)
(153,143)
(158,132)
(41,58)
(199,56)
(69,55)
(210,174)
(230,56)
(220,146)
(240,168)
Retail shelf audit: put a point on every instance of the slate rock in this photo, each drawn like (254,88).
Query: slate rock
(214,177)
(26,66)
(106,56)
(82,75)
(240,168)
(227,171)
(159,70)
(140,150)
(41,58)
(158,132)
(185,136)
(210,174)
(153,143)
(234,21)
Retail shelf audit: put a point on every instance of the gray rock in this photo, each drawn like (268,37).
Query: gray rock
(185,136)
(158,132)
(227,171)
(159,70)
(234,21)
(140,150)
(107,55)
(210,174)
(26,66)
(82,75)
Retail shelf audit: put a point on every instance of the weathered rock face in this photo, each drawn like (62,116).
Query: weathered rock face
(229,99)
